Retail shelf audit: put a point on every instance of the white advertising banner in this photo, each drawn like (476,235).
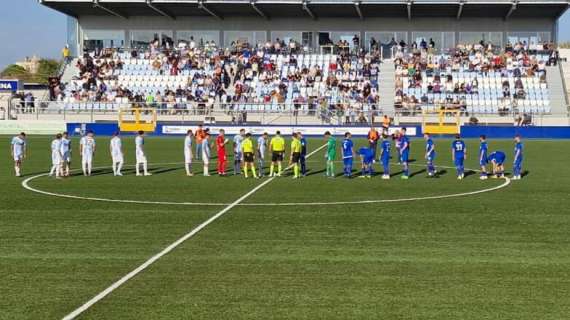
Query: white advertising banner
(285,130)
(32,126)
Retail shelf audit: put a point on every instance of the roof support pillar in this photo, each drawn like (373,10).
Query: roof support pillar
(308,10)
(159,11)
(202,5)
(512,9)
(358,10)
(96,4)
(258,10)
(409,7)
(460,9)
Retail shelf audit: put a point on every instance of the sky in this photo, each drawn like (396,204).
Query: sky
(41,31)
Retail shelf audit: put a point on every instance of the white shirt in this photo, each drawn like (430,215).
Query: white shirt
(139,144)
(187,143)
(18,145)
(116,145)
(238,139)
(261,145)
(88,144)
(65,145)
(56,146)
(205,148)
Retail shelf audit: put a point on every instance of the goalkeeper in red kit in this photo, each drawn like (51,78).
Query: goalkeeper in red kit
(221,148)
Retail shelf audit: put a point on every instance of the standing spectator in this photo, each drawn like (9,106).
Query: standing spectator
(66,54)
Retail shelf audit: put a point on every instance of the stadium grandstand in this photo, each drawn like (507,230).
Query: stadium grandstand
(327,62)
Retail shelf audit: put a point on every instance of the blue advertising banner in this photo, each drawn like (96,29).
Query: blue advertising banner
(9,85)
(173,129)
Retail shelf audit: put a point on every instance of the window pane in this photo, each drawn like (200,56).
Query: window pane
(200,37)
(286,36)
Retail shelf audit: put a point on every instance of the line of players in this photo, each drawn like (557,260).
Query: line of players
(403,146)
(245,154)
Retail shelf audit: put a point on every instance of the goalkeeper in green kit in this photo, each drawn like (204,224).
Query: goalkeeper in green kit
(330,155)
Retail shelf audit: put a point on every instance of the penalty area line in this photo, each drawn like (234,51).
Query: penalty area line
(169,248)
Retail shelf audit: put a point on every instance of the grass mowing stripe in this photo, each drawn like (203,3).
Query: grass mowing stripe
(171,247)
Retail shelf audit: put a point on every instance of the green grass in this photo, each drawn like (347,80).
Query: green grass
(498,255)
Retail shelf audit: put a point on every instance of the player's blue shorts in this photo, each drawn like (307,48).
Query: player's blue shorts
(368,160)
(347,161)
(431,157)
(484,161)
(459,161)
(404,157)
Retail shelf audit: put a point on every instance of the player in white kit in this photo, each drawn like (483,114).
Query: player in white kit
(66,154)
(87,149)
(56,157)
(188,153)
(206,154)
(18,151)
(116,148)
(140,155)
(261,148)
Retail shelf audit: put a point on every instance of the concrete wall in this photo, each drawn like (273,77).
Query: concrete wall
(322,24)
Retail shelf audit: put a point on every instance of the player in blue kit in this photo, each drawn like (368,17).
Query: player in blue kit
(498,158)
(459,154)
(405,153)
(367,158)
(483,161)
(347,154)
(385,156)
(517,162)
(430,155)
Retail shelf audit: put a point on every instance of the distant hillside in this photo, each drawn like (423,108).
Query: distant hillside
(46,68)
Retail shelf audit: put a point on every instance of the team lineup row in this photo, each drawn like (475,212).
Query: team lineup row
(246,153)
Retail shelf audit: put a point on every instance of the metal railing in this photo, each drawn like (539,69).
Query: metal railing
(264,114)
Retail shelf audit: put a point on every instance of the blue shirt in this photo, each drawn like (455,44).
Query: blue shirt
(347,146)
(303,146)
(483,150)
(458,148)
(430,148)
(386,146)
(404,144)
(519,148)
(498,156)
(367,154)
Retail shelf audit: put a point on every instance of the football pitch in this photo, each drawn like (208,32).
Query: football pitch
(278,248)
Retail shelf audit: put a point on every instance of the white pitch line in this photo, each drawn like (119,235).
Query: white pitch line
(470,193)
(166,250)
(26,185)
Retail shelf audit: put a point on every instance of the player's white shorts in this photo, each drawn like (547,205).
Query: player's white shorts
(55,158)
(66,157)
(18,157)
(141,158)
(117,157)
(187,156)
(205,158)
(87,158)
